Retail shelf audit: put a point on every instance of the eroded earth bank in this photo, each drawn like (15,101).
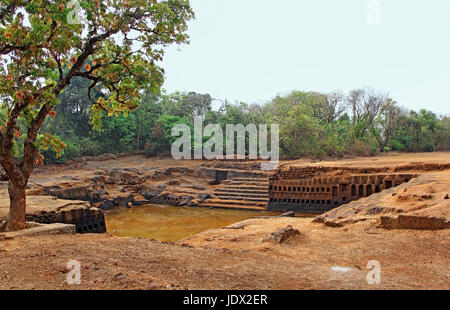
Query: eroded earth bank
(405,228)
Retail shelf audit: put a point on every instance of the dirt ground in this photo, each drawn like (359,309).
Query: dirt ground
(235,257)
(392,159)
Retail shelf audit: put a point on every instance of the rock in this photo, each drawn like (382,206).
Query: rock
(156,174)
(194,186)
(288,214)
(236,226)
(182,170)
(106,205)
(206,173)
(198,187)
(123,201)
(281,235)
(150,192)
(98,179)
(36,191)
(173,182)
(139,200)
(171,199)
(3,237)
(446,197)
(44,229)
(79,192)
(110,180)
(102,192)
(204,196)
(162,187)
(125,178)
(185,200)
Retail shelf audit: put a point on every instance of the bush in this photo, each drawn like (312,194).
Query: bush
(429,147)
(396,145)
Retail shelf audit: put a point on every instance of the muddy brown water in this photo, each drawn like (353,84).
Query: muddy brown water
(171,224)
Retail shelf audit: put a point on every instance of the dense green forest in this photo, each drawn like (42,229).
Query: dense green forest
(364,122)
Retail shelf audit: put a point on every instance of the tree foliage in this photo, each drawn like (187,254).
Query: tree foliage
(116,48)
(311,124)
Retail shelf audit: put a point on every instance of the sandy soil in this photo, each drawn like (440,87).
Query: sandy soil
(384,160)
(233,259)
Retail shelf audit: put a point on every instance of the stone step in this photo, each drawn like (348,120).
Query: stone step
(232,182)
(241,187)
(266,200)
(227,190)
(237,202)
(234,207)
(244,195)
(250,179)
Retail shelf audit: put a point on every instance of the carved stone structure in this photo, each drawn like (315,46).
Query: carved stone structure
(320,189)
(85,219)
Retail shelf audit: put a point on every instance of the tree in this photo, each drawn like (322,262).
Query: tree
(334,107)
(366,105)
(384,126)
(42,48)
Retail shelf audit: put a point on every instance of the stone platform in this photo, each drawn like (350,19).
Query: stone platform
(41,230)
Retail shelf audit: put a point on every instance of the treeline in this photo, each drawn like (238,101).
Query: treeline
(364,122)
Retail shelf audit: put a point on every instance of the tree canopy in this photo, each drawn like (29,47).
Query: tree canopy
(311,124)
(116,47)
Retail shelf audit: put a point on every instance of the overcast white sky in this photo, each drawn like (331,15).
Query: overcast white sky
(252,50)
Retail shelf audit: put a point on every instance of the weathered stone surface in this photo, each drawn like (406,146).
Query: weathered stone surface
(413,222)
(43,229)
(85,218)
(240,225)
(281,235)
(207,173)
(288,214)
(126,178)
(182,170)
(156,174)
(204,196)
(84,192)
(419,204)
(110,180)
(150,192)
(123,200)
(106,205)
(185,200)
(194,186)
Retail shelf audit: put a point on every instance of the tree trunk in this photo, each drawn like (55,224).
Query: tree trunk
(17,208)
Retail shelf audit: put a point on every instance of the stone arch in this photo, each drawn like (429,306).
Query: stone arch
(368,190)
(353,190)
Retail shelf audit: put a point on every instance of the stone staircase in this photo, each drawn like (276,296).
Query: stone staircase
(240,193)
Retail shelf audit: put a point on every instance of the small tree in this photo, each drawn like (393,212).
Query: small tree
(43,46)
(385,125)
